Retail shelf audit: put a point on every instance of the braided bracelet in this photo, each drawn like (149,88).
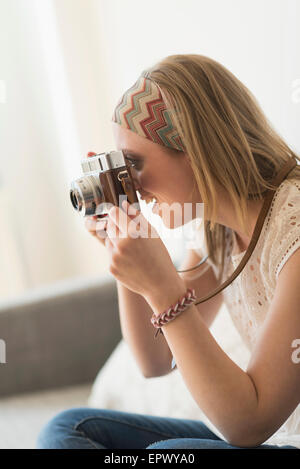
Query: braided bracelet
(172,312)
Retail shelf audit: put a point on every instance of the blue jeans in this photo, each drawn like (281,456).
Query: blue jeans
(90,428)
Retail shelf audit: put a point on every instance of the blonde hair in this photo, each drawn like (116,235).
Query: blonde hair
(226,135)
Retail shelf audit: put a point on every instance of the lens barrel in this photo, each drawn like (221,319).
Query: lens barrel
(86,195)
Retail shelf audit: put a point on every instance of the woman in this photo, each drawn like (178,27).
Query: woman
(194,134)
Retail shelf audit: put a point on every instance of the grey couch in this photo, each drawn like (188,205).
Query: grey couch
(58,335)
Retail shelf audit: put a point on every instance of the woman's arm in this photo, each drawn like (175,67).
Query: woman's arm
(153,355)
(246,407)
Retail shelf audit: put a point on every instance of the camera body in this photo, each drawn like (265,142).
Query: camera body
(106,181)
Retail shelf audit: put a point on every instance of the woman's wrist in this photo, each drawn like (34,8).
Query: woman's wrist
(166,296)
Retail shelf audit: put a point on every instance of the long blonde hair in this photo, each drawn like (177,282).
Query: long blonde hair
(226,135)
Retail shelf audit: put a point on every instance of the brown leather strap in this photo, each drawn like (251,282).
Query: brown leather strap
(281,175)
(128,187)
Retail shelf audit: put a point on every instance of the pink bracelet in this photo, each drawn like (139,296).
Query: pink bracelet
(172,312)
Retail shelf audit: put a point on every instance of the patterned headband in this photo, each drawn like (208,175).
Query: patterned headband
(143,110)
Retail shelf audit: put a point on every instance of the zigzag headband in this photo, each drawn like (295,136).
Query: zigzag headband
(143,110)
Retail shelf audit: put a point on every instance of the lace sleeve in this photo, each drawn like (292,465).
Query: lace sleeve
(285,232)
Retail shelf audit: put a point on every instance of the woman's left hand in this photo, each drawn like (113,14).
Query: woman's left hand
(139,258)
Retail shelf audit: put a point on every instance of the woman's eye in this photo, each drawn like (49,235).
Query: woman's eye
(135,163)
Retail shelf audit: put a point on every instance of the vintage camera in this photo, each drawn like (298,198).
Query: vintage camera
(107,181)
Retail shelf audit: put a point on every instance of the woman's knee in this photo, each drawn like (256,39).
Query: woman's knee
(188,443)
(63,425)
(173,443)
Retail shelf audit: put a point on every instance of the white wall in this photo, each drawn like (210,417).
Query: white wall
(258,40)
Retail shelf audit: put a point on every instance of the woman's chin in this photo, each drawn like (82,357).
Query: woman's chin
(172,222)
(172,218)
(172,227)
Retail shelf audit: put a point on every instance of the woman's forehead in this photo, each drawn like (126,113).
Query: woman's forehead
(130,141)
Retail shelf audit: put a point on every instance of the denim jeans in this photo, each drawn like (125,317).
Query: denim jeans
(91,428)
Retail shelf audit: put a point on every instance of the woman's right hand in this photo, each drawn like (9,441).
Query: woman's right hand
(96,226)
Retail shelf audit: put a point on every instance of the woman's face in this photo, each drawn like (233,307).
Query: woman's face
(161,173)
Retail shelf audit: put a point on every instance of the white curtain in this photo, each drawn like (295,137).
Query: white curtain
(64,64)
(55,111)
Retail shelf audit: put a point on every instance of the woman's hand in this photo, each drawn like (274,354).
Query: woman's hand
(96,228)
(139,258)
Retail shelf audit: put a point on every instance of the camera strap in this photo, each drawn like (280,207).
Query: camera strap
(126,180)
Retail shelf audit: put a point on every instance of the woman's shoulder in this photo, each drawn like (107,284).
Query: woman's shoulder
(286,204)
(282,232)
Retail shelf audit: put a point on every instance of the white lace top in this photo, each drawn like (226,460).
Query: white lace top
(249,296)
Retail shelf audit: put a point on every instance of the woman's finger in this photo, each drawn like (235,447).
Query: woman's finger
(90,224)
(101,229)
(101,225)
(112,231)
(109,245)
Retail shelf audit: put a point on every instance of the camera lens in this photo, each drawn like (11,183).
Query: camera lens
(86,195)
(74,200)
